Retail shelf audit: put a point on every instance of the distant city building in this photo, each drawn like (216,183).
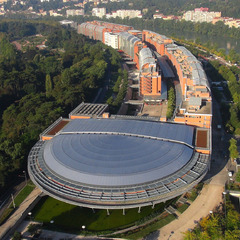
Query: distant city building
(54,13)
(97,2)
(75,12)
(68,23)
(157,15)
(99,12)
(201,15)
(125,13)
(42,12)
(169,17)
(79,5)
(231,22)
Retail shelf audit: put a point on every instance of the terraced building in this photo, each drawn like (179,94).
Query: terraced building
(107,162)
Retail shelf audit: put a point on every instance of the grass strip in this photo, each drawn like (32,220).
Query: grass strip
(182,208)
(22,195)
(144,231)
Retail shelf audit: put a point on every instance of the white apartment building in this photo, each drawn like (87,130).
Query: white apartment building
(99,12)
(75,12)
(232,22)
(111,39)
(125,13)
(201,15)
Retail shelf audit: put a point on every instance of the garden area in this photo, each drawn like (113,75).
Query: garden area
(60,216)
(68,217)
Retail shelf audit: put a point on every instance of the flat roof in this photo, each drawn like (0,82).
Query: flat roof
(206,107)
(202,138)
(106,152)
(195,101)
(89,109)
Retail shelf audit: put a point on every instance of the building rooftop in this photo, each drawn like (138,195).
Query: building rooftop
(202,138)
(89,109)
(195,101)
(206,107)
(106,152)
(105,163)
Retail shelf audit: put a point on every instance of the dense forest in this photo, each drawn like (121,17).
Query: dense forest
(37,86)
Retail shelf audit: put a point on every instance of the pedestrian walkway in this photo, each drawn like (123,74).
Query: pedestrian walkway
(20,213)
(209,198)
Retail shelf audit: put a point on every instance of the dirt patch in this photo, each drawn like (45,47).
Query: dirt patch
(154,110)
(58,127)
(201,139)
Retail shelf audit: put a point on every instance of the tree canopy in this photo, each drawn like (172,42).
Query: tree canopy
(38,86)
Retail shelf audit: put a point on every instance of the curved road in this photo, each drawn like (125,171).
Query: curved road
(210,197)
(211,194)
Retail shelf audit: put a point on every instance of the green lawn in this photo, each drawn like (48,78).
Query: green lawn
(151,228)
(71,218)
(182,208)
(23,194)
(193,195)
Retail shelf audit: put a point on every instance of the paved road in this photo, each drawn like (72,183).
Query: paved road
(210,197)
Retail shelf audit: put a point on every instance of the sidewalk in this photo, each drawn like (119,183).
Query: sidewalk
(20,213)
(209,198)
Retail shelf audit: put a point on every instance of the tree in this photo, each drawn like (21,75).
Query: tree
(171,103)
(17,236)
(233,148)
(238,176)
(32,229)
(66,76)
(48,85)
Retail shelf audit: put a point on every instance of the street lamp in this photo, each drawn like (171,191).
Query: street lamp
(14,205)
(30,216)
(52,221)
(25,175)
(224,196)
(225,208)
(83,227)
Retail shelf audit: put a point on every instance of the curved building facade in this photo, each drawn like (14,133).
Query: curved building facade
(113,163)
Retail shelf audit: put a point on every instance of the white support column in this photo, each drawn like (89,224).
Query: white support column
(108,212)
(123,211)
(139,209)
